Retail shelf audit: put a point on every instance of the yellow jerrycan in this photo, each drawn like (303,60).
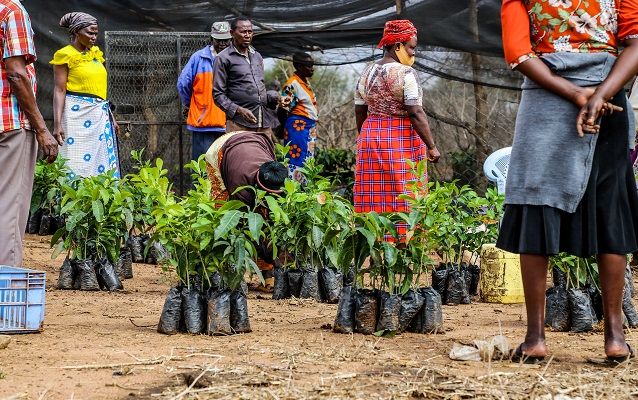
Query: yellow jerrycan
(500,276)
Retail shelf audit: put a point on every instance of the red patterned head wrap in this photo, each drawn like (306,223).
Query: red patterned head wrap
(397,31)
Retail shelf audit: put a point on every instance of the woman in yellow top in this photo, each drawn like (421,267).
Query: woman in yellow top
(81,113)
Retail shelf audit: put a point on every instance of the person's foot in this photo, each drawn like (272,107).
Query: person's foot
(617,348)
(534,348)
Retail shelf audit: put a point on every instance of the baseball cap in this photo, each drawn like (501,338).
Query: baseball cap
(220,30)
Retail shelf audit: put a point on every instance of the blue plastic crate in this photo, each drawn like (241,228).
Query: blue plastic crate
(21,299)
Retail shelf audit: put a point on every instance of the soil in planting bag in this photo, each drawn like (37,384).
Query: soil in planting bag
(475,271)
(467,275)
(344,321)
(432,311)
(243,287)
(294,282)
(65,280)
(281,290)
(331,282)
(57,223)
(170,320)
(239,321)
(411,305)
(630,278)
(596,301)
(456,288)
(365,311)
(628,306)
(106,275)
(216,283)
(439,280)
(581,313)
(194,309)
(389,312)
(156,253)
(136,244)
(348,277)
(310,285)
(559,277)
(45,225)
(33,223)
(557,308)
(219,313)
(86,278)
(124,264)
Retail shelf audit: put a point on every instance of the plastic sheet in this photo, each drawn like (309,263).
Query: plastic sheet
(194,310)
(310,285)
(45,225)
(106,275)
(239,321)
(596,301)
(344,321)
(475,272)
(439,280)
(170,320)
(559,277)
(628,305)
(456,287)
(582,316)
(432,311)
(124,264)
(294,282)
(630,279)
(219,313)
(557,309)
(411,305)
(389,311)
(365,313)
(348,277)
(33,223)
(136,244)
(86,277)
(65,280)
(331,283)
(281,289)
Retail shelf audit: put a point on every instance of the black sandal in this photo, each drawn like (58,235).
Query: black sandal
(615,360)
(518,356)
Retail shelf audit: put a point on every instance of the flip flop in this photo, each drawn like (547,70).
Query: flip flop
(518,356)
(613,361)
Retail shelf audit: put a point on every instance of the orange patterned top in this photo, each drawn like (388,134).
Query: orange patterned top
(535,27)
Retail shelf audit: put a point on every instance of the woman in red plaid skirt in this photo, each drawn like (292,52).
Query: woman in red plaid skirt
(392,124)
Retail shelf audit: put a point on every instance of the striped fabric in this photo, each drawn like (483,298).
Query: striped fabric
(383,145)
(17,40)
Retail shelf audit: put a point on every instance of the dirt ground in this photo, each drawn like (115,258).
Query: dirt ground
(100,345)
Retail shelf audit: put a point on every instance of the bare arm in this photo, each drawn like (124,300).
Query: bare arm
(420,124)
(361,113)
(537,71)
(60,76)
(624,69)
(22,89)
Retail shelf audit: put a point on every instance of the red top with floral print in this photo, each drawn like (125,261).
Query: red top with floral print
(535,27)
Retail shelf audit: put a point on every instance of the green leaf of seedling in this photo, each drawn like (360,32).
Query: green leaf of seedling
(58,250)
(228,222)
(385,333)
(98,210)
(257,271)
(317,236)
(255,223)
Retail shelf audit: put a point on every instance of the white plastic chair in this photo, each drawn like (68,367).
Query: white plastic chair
(495,167)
